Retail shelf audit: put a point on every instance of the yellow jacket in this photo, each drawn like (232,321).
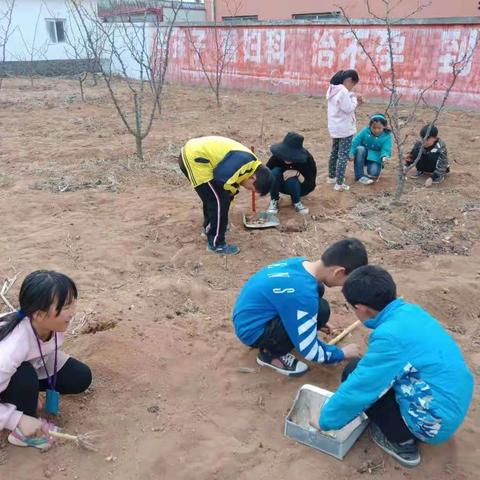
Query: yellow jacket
(219,159)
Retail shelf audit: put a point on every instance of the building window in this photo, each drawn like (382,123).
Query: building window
(56,30)
(241,18)
(315,16)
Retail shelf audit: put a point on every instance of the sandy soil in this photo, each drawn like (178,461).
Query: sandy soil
(168,394)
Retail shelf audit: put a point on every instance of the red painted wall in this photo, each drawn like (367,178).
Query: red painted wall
(284,9)
(301,59)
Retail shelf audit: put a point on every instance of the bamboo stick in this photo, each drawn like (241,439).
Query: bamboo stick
(342,335)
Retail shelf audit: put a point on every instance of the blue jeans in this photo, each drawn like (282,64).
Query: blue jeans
(290,187)
(360,161)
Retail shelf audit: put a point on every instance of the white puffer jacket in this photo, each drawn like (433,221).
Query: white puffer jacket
(341,112)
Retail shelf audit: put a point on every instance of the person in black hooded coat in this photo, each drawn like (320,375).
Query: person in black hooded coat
(294,171)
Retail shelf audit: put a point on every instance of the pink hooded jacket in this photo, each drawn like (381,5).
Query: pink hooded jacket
(18,347)
(342,103)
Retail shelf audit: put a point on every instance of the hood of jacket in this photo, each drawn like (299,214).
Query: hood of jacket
(334,90)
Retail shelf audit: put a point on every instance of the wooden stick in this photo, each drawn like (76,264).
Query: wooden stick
(342,335)
(63,436)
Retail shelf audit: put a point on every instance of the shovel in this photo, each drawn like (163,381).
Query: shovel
(260,219)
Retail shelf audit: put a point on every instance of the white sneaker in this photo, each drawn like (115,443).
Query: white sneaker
(331,181)
(301,208)
(365,181)
(341,188)
(290,365)
(273,207)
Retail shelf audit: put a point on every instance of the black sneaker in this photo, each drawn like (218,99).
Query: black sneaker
(224,249)
(418,174)
(406,454)
(438,179)
(290,365)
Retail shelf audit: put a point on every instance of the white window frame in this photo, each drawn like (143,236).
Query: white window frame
(54,21)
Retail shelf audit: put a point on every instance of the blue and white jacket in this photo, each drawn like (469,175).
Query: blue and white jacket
(412,353)
(286,290)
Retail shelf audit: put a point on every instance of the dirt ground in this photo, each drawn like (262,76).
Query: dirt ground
(168,393)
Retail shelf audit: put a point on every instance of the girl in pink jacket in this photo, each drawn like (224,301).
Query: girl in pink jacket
(342,124)
(30,359)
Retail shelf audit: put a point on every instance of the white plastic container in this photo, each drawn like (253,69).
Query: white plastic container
(335,442)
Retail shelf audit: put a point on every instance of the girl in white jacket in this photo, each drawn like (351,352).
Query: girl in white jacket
(342,124)
(31,360)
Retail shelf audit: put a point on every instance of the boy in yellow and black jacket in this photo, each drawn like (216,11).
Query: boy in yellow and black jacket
(217,167)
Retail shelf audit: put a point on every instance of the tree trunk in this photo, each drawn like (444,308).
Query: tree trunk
(80,81)
(139,144)
(400,181)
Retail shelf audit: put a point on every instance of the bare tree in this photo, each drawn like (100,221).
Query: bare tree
(77,48)
(214,63)
(76,51)
(6,14)
(33,51)
(389,81)
(138,58)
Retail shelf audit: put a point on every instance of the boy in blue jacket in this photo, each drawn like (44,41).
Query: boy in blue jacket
(281,308)
(370,148)
(413,382)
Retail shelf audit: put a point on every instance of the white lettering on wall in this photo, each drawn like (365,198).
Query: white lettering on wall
(276,46)
(323,49)
(456,48)
(252,45)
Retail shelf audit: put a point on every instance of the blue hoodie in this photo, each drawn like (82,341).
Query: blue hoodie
(286,290)
(377,147)
(410,352)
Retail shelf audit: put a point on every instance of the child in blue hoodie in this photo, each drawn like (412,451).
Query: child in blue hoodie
(281,308)
(413,382)
(370,148)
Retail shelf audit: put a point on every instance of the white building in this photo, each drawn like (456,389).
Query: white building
(44,36)
(40,30)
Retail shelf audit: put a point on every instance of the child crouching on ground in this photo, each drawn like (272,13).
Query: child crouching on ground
(413,382)
(433,158)
(281,308)
(30,359)
(371,148)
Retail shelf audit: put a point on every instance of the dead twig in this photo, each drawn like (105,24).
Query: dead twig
(372,467)
(247,370)
(7,284)
(77,323)
(471,207)
(390,243)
